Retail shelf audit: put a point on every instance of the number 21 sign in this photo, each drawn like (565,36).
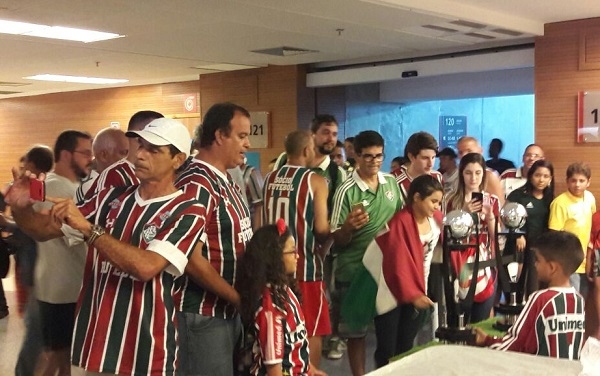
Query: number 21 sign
(588,103)
(260,124)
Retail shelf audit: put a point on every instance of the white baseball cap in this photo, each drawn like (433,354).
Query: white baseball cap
(165,131)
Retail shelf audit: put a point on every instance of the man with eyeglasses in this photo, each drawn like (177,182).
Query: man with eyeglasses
(59,267)
(514,178)
(362,206)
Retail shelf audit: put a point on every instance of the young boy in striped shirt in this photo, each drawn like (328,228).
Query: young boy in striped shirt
(552,321)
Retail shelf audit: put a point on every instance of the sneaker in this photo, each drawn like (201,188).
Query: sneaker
(334,354)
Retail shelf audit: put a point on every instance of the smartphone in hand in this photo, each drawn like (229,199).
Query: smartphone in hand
(37,190)
(357,206)
(477,197)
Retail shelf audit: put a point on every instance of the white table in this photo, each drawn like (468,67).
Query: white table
(455,360)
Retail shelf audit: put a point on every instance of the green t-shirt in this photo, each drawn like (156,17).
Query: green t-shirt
(381,205)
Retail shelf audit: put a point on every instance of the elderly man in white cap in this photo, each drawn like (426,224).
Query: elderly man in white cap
(140,238)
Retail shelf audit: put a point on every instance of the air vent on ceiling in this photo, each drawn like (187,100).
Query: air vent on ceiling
(285,51)
(13,84)
(6,92)
(512,33)
(473,25)
(481,36)
(440,28)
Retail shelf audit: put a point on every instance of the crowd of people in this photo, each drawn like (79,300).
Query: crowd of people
(153,254)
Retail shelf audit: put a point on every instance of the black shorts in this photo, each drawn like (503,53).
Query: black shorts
(57,322)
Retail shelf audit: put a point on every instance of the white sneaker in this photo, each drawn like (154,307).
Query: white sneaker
(334,354)
(335,350)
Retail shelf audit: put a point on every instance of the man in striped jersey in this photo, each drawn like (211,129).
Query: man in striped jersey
(299,196)
(140,239)
(552,321)
(110,145)
(421,150)
(122,172)
(208,322)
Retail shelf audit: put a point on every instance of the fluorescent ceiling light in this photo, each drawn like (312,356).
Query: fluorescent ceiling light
(224,67)
(76,79)
(54,32)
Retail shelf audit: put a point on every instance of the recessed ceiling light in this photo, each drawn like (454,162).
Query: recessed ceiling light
(76,79)
(54,32)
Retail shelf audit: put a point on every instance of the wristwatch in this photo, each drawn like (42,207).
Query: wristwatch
(97,231)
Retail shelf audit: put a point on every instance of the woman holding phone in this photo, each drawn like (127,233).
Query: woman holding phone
(471,197)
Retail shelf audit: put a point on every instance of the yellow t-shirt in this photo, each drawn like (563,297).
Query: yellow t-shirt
(574,214)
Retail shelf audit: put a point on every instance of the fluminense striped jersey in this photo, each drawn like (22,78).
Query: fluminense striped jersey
(462,261)
(281,336)
(119,174)
(404,180)
(512,179)
(85,185)
(551,324)
(288,194)
(226,232)
(123,325)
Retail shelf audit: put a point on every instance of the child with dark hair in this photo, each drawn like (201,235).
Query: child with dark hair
(572,211)
(400,260)
(552,321)
(269,305)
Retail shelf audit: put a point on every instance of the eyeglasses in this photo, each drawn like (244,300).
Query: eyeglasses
(295,251)
(531,155)
(372,157)
(87,153)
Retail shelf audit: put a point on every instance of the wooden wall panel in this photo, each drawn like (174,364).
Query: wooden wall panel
(39,119)
(277,89)
(558,79)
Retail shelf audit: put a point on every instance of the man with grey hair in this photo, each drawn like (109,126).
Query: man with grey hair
(109,146)
(122,172)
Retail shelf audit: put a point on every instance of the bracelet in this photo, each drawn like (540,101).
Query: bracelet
(97,231)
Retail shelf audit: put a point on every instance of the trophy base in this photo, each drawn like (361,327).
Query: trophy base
(455,335)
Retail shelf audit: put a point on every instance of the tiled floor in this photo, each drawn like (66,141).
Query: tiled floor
(12,331)
(11,335)
(341,367)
